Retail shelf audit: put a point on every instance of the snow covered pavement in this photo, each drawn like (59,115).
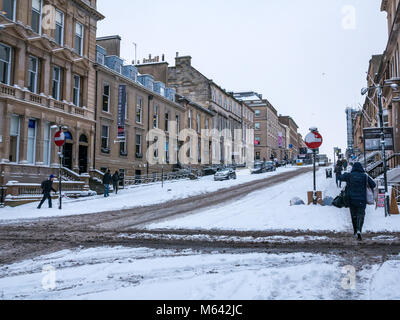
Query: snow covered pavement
(124,273)
(269,209)
(136,196)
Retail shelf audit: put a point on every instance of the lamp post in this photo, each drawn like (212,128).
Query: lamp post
(383,142)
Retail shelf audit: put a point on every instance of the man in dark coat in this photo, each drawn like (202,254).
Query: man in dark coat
(357,192)
(107,179)
(115,181)
(338,173)
(47,187)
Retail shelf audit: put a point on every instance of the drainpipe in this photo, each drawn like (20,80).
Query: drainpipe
(95,124)
(148,128)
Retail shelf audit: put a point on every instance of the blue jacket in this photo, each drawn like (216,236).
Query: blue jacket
(357,185)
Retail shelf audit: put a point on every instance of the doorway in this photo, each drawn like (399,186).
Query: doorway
(83,159)
(67,160)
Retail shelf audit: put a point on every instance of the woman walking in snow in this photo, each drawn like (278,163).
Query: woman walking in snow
(357,183)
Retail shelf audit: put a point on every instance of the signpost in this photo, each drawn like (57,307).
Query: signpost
(59,140)
(314,141)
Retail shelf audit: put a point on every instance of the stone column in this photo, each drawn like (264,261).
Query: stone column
(40,140)
(75,152)
(23,145)
(5,132)
(47,75)
(67,85)
(20,66)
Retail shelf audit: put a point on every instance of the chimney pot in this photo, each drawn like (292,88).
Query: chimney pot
(177,54)
(163,57)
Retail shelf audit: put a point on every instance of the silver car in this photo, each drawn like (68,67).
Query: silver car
(225,174)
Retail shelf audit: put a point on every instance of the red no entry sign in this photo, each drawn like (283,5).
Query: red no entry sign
(313,140)
(59,138)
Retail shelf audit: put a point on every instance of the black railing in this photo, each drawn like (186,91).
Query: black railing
(2,196)
(377,169)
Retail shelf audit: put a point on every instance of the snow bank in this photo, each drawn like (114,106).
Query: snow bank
(270,209)
(134,197)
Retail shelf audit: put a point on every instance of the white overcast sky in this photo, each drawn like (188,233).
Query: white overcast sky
(296,53)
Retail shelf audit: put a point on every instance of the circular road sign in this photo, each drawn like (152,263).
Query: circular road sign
(59,138)
(313,140)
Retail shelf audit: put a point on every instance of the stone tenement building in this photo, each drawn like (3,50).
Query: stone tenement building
(192,84)
(149,104)
(46,78)
(292,136)
(385,70)
(266,126)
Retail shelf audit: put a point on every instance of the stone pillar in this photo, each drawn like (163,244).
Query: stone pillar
(20,66)
(23,144)
(75,152)
(67,86)
(5,132)
(47,75)
(40,140)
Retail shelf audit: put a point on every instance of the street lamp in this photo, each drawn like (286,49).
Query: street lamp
(364,91)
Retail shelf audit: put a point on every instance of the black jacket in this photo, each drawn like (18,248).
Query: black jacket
(107,178)
(47,186)
(115,177)
(357,185)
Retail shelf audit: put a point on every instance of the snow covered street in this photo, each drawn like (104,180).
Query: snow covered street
(124,273)
(269,209)
(136,196)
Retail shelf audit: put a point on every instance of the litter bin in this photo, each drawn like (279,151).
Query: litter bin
(329,173)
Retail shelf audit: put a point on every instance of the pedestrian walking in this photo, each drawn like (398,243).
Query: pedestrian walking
(338,173)
(47,187)
(357,183)
(115,181)
(107,179)
(345,165)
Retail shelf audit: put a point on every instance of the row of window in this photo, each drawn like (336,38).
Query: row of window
(34,67)
(225,103)
(15,138)
(9,10)
(139,109)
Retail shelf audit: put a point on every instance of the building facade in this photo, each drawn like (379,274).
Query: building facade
(147,106)
(194,86)
(47,79)
(292,135)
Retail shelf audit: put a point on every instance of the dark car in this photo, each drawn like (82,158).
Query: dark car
(270,166)
(259,167)
(225,174)
(211,170)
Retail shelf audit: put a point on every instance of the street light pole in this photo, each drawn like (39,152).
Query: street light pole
(383,144)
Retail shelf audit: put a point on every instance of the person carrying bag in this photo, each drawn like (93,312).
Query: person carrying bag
(358,183)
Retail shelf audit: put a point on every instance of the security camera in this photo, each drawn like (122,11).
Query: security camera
(364,91)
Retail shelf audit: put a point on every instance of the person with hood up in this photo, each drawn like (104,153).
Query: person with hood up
(115,181)
(357,182)
(47,187)
(107,179)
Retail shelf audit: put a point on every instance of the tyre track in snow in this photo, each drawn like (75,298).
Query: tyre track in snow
(28,239)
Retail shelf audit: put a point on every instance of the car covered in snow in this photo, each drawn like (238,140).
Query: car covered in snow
(225,174)
(270,166)
(259,167)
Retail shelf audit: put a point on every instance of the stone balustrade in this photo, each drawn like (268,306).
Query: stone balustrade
(44,101)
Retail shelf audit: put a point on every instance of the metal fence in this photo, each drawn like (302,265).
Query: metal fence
(158,177)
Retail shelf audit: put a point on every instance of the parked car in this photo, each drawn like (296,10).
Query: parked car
(225,174)
(209,171)
(259,167)
(270,166)
(323,163)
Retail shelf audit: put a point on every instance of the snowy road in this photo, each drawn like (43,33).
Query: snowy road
(126,273)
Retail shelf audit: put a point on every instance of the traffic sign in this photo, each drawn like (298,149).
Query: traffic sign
(59,138)
(313,140)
